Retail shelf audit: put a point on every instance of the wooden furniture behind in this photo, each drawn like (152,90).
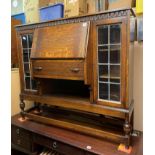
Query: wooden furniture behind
(14,53)
(31,138)
(80,66)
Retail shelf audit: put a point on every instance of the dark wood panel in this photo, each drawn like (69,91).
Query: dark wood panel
(62,41)
(21,138)
(56,145)
(14,52)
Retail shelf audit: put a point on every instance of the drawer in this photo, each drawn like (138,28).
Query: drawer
(19,132)
(57,146)
(21,138)
(58,69)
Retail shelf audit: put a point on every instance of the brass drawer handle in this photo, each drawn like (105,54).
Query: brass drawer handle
(55,145)
(38,68)
(17,131)
(75,70)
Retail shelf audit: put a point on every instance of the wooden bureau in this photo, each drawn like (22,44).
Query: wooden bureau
(78,71)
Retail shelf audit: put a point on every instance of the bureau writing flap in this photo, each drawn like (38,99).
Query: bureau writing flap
(61,41)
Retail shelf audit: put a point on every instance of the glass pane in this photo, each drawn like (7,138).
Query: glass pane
(34,85)
(114,34)
(26,68)
(114,71)
(103,54)
(25,55)
(30,40)
(103,91)
(24,41)
(115,57)
(109,49)
(103,35)
(103,73)
(27,74)
(27,82)
(29,53)
(27,45)
(115,54)
(115,92)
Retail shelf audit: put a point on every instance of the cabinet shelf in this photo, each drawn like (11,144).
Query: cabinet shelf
(27,72)
(105,50)
(113,97)
(116,83)
(105,76)
(109,44)
(116,64)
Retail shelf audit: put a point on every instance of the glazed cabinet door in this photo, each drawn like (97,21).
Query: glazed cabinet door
(28,85)
(110,63)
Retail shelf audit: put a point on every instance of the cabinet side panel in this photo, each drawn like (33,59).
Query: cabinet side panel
(131,73)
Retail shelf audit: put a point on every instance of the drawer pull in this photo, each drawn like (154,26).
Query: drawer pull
(18,142)
(17,131)
(38,68)
(55,145)
(75,70)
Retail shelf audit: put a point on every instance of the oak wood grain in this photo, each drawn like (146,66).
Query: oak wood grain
(14,52)
(58,69)
(62,41)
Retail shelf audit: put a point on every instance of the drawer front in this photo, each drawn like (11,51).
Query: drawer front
(58,69)
(20,137)
(16,131)
(57,146)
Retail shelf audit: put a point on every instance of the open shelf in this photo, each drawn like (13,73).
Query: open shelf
(68,98)
(67,89)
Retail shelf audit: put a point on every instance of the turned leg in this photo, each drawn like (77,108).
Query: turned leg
(127,130)
(22,107)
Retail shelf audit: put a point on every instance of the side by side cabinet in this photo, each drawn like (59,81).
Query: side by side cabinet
(79,72)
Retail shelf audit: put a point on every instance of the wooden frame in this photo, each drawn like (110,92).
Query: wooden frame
(21,66)
(124,67)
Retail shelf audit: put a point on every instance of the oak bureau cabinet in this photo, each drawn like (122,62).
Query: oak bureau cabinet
(79,71)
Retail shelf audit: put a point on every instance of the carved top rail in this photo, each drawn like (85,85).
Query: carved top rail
(90,17)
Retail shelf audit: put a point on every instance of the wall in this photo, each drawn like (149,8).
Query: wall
(15,90)
(138,86)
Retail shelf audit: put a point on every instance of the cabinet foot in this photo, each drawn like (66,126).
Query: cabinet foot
(127,129)
(123,148)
